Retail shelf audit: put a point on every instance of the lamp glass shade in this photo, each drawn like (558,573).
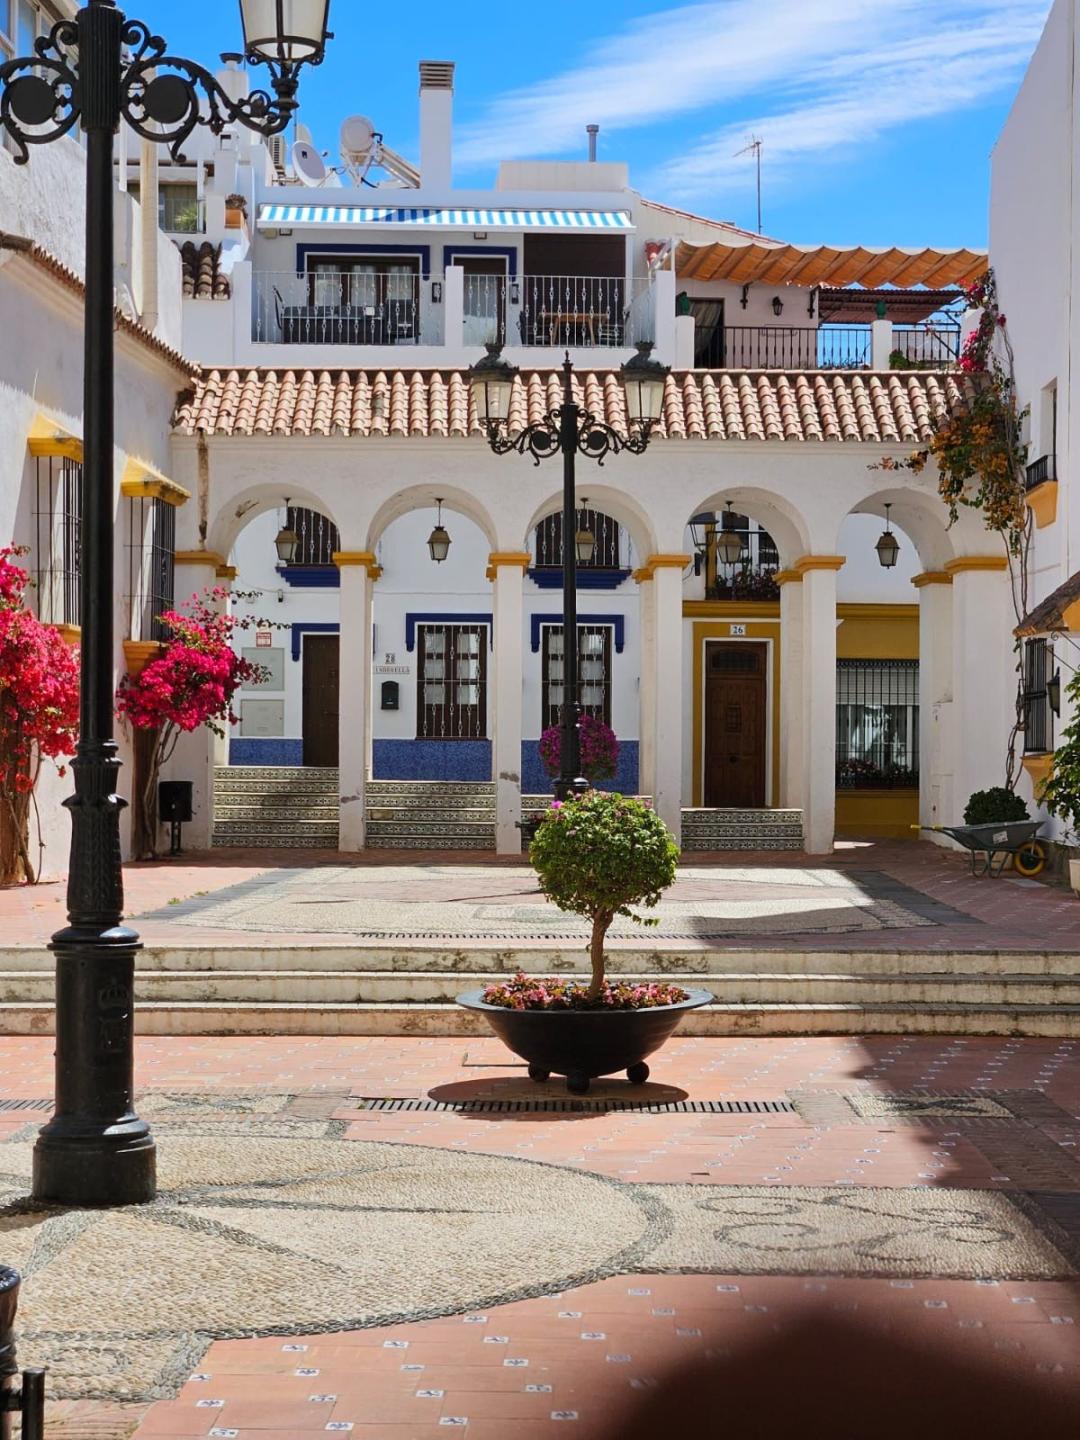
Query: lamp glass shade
(729,547)
(777,305)
(888,549)
(491,383)
(285,31)
(285,543)
(644,380)
(439,544)
(1053,692)
(584,545)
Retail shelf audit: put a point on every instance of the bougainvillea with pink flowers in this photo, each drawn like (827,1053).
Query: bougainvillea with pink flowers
(39,712)
(190,684)
(598,747)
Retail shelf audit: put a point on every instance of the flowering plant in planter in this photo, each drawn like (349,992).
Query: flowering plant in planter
(192,683)
(597,855)
(39,711)
(558,992)
(598,747)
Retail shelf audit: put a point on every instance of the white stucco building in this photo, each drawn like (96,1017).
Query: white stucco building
(791,690)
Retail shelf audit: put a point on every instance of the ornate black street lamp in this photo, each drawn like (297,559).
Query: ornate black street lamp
(98,70)
(566,430)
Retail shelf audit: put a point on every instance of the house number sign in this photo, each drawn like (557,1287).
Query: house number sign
(737,630)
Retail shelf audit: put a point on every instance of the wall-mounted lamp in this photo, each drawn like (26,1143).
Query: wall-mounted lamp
(887,547)
(515,292)
(479,234)
(745,298)
(1053,692)
(436,292)
(777,305)
(439,540)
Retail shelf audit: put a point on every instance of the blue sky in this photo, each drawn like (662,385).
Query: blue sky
(878,116)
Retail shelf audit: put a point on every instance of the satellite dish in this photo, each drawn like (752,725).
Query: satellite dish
(357,138)
(308,164)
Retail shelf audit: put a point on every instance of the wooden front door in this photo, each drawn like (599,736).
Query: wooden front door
(321,687)
(735,697)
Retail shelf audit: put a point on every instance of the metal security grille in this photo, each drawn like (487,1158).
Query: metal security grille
(1038,718)
(151,551)
(877,724)
(594,672)
(451,699)
(606,554)
(317,537)
(557,1107)
(58,538)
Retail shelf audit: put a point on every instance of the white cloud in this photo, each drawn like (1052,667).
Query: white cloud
(816,76)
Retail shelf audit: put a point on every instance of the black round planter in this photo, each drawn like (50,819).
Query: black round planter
(584,1044)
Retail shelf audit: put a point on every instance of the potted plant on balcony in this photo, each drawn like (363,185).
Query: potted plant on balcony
(235,212)
(596,856)
(1061,793)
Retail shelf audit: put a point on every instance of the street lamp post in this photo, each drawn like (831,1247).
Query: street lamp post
(97,70)
(566,430)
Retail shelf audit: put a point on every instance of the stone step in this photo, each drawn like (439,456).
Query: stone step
(276,807)
(444,841)
(242,789)
(326,773)
(434,827)
(215,1018)
(379,809)
(403,788)
(381,987)
(336,954)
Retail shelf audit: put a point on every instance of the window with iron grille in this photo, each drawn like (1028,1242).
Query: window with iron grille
(317,536)
(606,554)
(877,724)
(1038,717)
(151,565)
(594,673)
(58,498)
(451,696)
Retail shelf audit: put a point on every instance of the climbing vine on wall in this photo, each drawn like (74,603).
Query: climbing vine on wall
(981,460)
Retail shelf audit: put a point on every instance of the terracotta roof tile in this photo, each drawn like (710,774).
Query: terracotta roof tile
(836,406)
(203,277)
(1049,614)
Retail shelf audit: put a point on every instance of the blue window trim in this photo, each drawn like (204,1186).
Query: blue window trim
(508,251)
(617,622)
(300,628)
(330,249)
(311,577)
(443,617)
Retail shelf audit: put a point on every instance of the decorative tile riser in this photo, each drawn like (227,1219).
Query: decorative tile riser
(741,843)
(249,790)
(273,812)
(387,789)
(445,842)
(437,836)
(214,1019)
(327,774)
(260,841)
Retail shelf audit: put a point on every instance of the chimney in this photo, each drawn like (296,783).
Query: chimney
(592,131)
(436,123)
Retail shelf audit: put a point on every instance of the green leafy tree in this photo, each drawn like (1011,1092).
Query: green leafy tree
(1061,793)
(599,854)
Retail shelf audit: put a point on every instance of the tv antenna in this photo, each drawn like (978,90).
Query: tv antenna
(755,145)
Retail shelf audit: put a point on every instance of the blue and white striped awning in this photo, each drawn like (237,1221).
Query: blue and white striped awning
(322,216)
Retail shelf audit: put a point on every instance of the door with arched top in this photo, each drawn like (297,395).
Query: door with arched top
(735,724)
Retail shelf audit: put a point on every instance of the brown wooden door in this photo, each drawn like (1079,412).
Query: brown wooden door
(321,686)
(735,693)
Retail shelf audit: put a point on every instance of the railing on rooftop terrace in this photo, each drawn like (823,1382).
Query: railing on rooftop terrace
(344,307)
(925,347)
(581,311)
(795,347)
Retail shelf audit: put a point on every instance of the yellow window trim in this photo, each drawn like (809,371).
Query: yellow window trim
(48,437)
(1039,767)
(199,557)
(141,481)
(1042,501)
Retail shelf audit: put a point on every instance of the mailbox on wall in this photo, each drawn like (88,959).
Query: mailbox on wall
(390,695)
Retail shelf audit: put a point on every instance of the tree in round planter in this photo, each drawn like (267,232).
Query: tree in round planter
(595,856)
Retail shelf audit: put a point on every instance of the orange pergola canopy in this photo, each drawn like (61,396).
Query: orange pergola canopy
(809,265)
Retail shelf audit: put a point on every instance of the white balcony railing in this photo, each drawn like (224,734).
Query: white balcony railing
(579,311)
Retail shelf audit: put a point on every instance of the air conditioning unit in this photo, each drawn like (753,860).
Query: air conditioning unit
(279,151)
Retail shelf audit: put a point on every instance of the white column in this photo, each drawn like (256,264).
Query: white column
(983,674)
(507,572)
(791,688)
(667,688)
(663,318)
(936,738)
(647,684)
(685,341)
(818,718)
(358,570)
(454,306)
(881,344)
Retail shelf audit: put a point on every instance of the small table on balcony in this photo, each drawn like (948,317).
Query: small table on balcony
(580,321)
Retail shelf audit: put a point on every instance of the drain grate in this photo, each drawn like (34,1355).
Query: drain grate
(556,1107)
(26,1104)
